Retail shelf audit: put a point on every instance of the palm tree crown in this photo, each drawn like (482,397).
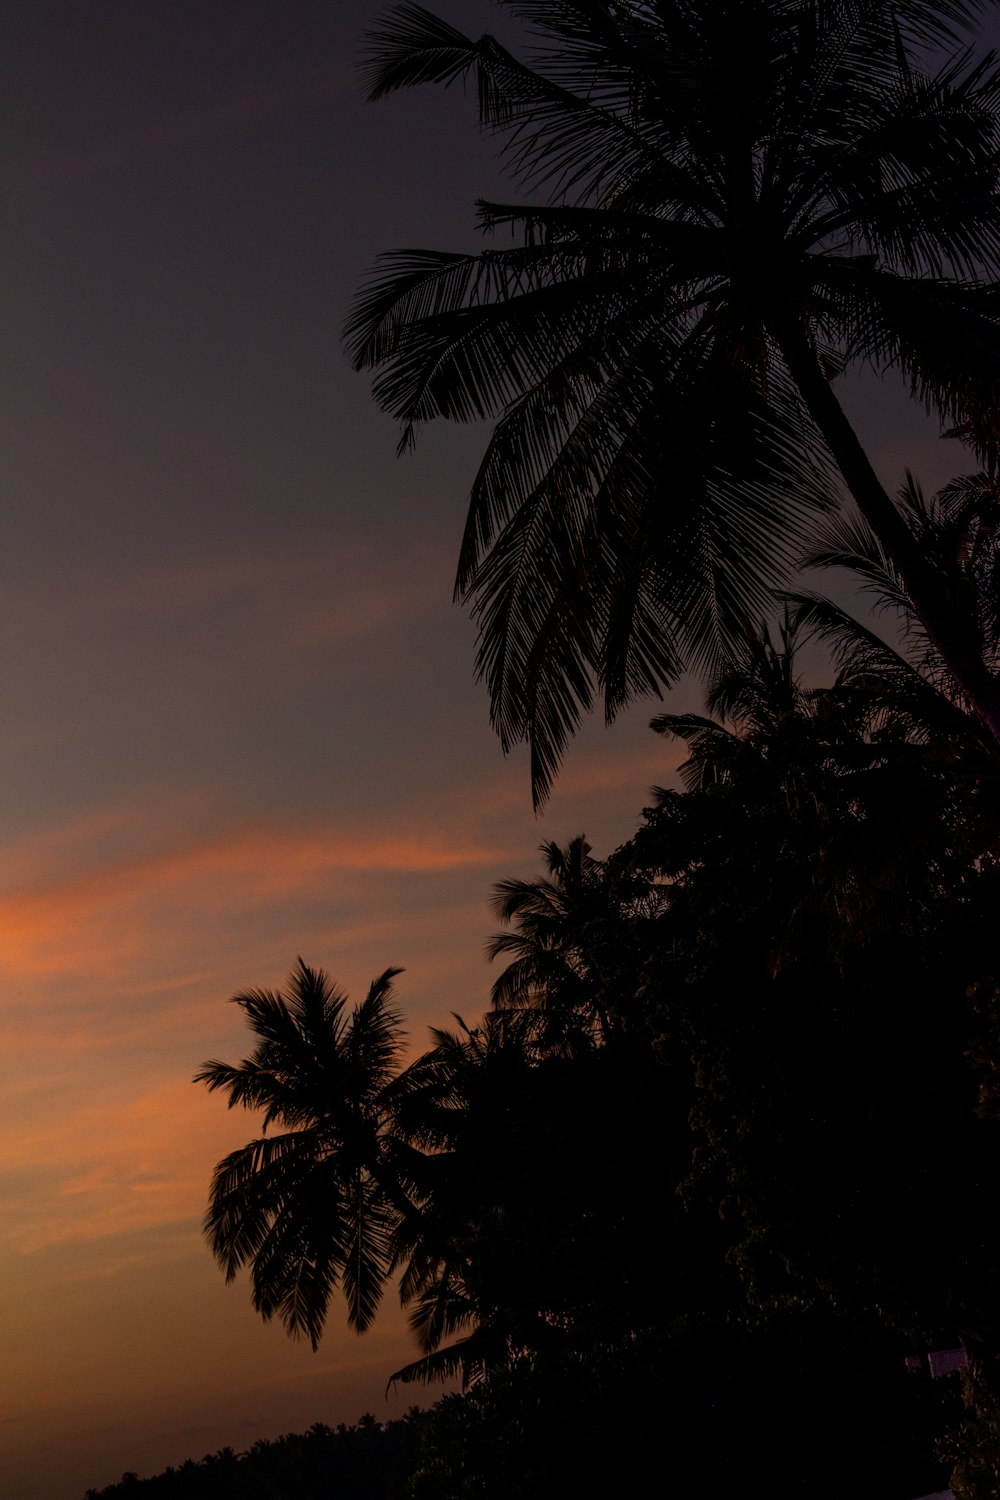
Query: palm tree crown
(737,198)
(314,1207)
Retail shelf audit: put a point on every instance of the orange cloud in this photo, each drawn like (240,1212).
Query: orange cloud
(95,920)
(114,1167)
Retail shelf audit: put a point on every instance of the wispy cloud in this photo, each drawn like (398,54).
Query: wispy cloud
(95,920)
(115,1167)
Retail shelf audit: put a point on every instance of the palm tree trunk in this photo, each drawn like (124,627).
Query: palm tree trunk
(959,647)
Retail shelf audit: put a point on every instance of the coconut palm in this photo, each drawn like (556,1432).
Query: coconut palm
(317,1206)
(573,941)
(759,715)
(380,1168)
(903,684)
(550,943)
(737,199)
(485,1172)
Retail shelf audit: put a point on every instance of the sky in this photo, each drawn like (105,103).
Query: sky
(240,721)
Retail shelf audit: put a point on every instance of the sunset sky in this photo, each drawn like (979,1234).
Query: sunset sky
(239,717)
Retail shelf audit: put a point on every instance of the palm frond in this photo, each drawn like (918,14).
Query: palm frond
(411,46)
(375,1037)
(460,1360)
(554,133)
(369,1251)
(247,1189)
(940,335)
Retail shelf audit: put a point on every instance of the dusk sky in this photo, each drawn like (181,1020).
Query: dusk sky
(239,716)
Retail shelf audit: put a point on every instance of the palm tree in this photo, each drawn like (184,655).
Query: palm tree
(904,682)
(380,1168)
(759,716)
(486,1172)
(739,198)
(574,944)
(319,1205)
(550,940)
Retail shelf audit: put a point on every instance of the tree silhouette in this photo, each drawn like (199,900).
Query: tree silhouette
(473,1171)
(568,940)
(736,200)
(315,1207)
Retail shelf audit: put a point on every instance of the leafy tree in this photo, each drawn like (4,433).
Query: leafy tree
(737,200)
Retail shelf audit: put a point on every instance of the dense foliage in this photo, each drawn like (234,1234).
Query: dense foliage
(724,1150)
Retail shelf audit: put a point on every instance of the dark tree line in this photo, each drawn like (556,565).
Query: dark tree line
(368,1460)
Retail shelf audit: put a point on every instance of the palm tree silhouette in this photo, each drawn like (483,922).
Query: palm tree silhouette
(550,925)
(378,1168)
(473,1171)
(738,199)
(317,1206)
